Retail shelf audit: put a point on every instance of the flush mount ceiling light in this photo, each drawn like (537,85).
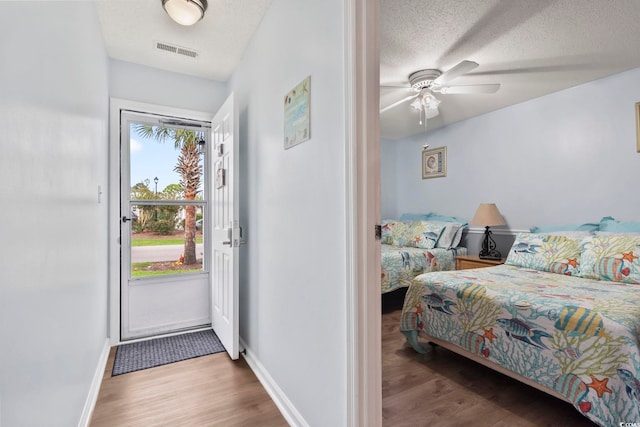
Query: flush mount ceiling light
(185,12)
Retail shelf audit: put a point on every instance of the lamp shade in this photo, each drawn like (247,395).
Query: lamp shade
(488,215)
(185,12)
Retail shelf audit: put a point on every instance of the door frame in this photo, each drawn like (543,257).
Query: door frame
(115,106)
(362,154)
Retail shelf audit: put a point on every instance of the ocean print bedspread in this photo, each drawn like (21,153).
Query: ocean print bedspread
(401,264)
(576,336)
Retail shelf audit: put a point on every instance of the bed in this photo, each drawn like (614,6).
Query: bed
(417,244)
(401,264)
(562,315)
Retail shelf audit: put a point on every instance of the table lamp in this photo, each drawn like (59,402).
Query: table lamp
(487,216)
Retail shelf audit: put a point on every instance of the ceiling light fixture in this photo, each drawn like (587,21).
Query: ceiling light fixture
(185,12)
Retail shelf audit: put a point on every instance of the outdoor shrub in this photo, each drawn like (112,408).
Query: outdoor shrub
(162,227)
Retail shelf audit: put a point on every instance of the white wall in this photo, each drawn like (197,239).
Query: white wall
(154,86)
(293,282)
(568,157)
(53,256)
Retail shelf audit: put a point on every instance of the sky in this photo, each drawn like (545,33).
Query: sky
(150,159)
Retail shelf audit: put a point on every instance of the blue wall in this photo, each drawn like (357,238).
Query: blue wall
(567,157)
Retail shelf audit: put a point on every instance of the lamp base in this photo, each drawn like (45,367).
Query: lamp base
(489,250)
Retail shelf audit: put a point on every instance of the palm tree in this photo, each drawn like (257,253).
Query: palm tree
(190,171)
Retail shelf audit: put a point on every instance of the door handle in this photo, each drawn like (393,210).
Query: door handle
(125,219)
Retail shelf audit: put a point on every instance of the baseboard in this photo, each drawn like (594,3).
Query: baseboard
(92,397)
(289,412)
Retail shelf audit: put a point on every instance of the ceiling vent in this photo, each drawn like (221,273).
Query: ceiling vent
(168,47)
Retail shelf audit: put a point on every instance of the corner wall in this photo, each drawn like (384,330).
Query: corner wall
(567,157)
(140,83)
(53,257)
(293,272)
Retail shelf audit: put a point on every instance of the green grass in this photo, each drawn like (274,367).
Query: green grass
(162,273)
(139,269)
(159,242)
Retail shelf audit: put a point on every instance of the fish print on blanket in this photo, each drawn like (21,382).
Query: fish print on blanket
(527,248)
(578,337)
(475,343)
(436,302)
(580,321)
(518,329)
(632,385)
(574,389)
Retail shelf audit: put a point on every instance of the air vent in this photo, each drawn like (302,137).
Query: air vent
(176,49)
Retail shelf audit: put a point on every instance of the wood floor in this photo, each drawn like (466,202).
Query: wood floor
(207,391)
(439,389)
(443,389)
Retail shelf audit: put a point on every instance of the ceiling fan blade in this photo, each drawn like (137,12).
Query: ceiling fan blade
(458,70)
(489,88)
(395,104)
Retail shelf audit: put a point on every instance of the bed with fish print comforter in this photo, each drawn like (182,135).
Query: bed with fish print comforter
(400,264)
(573,336)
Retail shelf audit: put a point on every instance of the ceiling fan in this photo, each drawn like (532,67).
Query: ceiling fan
(427,82)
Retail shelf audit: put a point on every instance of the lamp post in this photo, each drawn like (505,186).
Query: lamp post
(156,182)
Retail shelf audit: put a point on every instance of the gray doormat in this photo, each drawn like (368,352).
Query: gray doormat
(161,351)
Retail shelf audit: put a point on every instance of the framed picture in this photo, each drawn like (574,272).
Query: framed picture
(434,162)
(638,127)
(297,127)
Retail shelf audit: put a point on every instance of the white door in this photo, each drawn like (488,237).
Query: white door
(226,231)
(165,284)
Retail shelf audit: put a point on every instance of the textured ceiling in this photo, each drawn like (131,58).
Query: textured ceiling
(531,48)
(131,29)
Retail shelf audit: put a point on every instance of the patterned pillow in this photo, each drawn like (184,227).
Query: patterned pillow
(423,234)
(387,230)
(546,252)
(613,257)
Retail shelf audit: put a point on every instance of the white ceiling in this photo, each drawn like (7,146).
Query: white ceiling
(131,29)
(530,47)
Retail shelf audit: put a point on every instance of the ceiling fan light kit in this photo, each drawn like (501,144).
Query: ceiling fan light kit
(185,12)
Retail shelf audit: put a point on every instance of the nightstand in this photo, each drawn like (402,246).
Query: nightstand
(465,262)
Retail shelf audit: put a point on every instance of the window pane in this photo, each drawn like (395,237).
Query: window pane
(166,239)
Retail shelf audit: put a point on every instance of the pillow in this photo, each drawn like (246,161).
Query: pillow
(612,257)
(451,234)
(589,226)
(393,232)
(423,234)
(387,227)
(609,224)
(546,252)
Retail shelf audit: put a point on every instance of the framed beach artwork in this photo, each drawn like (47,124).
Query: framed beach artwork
(297,126)
(434,162)
(638,127)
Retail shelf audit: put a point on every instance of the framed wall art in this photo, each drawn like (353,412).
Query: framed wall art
(638,127)
(297,126)
(434,162)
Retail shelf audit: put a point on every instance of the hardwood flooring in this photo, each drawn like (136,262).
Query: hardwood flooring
(206,391)
(442,388)
(438,389)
